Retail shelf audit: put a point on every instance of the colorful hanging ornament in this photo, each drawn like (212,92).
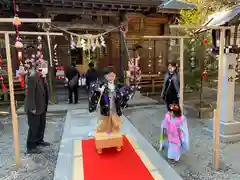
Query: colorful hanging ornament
(55,59)
(134,71)
(159,62)
(18,43)
(204,75)
(20,56)
(16,21)
(205,41)
(150,58)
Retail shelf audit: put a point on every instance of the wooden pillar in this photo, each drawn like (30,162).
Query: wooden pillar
(12,101)
(121,60)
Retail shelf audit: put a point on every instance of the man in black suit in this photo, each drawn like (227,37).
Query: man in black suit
(36,108)
(91,75)
(73,75)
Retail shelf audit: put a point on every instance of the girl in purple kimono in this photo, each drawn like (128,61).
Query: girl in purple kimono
(174,133)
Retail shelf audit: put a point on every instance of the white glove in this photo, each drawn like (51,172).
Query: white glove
(101,90)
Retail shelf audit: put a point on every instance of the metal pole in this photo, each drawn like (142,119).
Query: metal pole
(12,101)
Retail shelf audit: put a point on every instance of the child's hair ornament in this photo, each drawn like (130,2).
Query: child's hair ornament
(174,107)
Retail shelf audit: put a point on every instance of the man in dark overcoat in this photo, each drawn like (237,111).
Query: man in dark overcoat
(36,108)
(73,76)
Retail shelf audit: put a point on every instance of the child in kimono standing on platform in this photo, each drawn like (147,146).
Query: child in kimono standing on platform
(174,133)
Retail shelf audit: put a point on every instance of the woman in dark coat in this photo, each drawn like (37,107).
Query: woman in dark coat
(171,86)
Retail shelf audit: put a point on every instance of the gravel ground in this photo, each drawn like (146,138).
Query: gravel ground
(33,167)
(197,164)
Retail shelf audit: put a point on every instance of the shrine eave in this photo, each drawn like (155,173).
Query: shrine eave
(177,5)
(93,4)
(226,17)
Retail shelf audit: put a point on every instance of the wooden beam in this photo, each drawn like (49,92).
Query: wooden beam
(26,20)
(80,26)
(32,33)
(165,37)
(199,27)
(80,12)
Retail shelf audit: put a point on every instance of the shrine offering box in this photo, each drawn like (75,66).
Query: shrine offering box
(105,140)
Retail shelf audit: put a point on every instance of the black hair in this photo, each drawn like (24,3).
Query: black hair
(172,64)
(91,65)
(175,111)
(73,64)
(107,70)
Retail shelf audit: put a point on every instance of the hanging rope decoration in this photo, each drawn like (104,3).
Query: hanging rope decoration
(150,57)
(18,44)
(88,44)
(39,54)
(133,67)
(160,60)
(55,58)
(86,41)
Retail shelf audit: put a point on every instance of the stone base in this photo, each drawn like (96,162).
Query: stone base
(229,131)
(103,140)
(205,112)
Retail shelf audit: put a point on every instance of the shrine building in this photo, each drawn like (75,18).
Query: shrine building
(144,18)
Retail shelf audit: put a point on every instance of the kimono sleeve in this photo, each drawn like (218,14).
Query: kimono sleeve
(125,92)
(94,96)
(163,141)
(184,134)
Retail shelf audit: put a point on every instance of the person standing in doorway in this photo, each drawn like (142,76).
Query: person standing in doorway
(171,86)
(73,76)
(91,75)
(36,107)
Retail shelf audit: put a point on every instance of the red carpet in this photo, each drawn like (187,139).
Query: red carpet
(113,165)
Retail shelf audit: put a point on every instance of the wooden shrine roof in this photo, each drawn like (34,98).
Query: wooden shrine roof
(81,3)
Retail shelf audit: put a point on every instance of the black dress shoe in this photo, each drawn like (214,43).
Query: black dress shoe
(43,144)
(33,151)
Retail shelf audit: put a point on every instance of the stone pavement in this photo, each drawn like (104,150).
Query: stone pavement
(33,167)
(197,164)
(80,122)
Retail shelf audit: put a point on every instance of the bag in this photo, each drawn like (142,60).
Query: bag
(74,81)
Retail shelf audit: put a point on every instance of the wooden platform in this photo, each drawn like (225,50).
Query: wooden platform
(105,140)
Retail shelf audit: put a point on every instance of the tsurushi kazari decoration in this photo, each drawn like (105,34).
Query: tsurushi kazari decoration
(135,71)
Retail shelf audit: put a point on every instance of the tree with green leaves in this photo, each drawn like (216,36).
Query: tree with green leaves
(197,47)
